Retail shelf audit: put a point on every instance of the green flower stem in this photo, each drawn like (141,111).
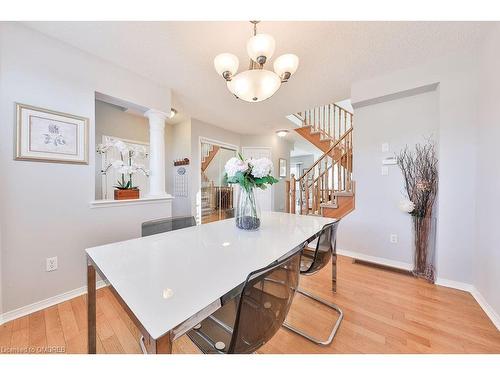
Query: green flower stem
(251,198)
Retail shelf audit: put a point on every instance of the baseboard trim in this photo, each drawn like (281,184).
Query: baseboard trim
(492,314)
(454,284)
(377,260)
(51,301)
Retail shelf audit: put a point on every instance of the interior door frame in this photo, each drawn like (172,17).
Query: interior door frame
(215,142)
(270,188)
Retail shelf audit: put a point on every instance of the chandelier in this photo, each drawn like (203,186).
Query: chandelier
(256,84)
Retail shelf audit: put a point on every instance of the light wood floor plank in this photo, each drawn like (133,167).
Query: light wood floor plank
(53,328)
(37,332)
(20,334)
(5,335)
(70,329)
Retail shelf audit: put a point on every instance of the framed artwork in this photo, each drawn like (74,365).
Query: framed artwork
(45,135)
(282,167)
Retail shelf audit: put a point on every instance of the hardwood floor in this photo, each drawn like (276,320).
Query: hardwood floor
(385,312)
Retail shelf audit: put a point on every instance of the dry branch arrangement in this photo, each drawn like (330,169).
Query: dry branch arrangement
(420,175)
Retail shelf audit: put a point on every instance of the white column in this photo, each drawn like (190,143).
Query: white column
(156,152)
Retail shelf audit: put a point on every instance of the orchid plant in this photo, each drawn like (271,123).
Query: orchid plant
(126,164)
(249,173)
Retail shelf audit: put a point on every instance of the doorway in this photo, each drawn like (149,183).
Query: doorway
(217,196)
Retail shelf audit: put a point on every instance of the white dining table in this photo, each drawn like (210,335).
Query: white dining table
(169,282)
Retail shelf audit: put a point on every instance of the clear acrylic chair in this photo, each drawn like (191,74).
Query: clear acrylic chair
(250,319)
(166,225)
(314,259)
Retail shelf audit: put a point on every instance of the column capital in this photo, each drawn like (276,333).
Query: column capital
(156,114)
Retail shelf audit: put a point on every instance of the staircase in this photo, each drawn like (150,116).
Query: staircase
(208,152)
(326,188)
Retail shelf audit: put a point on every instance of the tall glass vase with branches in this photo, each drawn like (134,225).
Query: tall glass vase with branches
(420,176)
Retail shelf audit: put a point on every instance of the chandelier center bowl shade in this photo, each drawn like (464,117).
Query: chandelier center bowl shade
(256,84)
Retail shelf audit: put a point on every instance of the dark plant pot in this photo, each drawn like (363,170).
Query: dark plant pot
(121,194)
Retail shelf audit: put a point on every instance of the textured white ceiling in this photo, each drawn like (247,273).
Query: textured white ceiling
(180,55)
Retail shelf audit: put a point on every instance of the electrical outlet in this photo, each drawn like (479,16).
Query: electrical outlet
(385,147)
(51,264)
(385,171)
(393,238)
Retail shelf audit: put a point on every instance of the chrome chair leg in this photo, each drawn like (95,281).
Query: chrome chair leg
(330,305)
(334,271)
(142,345)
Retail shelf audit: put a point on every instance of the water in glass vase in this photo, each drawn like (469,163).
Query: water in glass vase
(247,210)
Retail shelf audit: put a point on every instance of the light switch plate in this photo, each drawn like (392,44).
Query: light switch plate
(385,171)
(391,160)
(385,147)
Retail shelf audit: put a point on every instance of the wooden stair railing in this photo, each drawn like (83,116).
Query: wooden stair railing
(329,176)
(330,121)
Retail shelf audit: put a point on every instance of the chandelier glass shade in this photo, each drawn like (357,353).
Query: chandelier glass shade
(256,84)
(261,46)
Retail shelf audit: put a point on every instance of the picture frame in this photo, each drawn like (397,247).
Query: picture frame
(282,168)
(44,135)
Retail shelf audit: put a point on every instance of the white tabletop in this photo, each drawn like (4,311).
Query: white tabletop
(166,278)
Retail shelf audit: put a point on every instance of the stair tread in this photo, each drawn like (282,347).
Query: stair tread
(329,205)
(343,194)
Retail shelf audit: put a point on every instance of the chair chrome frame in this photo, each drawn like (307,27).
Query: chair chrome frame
(311,296)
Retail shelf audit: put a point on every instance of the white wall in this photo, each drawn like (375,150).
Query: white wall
(456,77)
(399,122)
(179,144)
(487,249)
(45,206)
(280,149)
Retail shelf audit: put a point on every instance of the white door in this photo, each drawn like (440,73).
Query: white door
(264,197)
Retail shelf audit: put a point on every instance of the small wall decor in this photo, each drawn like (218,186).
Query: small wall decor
(282,167)
(45,135)
(178,162)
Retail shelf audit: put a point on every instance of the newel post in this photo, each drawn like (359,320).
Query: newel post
(291,198)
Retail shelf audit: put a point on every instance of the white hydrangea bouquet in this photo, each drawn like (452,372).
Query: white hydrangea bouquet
(126,165)
(249,174)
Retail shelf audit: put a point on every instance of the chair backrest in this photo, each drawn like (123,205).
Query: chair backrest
(166,225)
(264,303)
(325,247)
